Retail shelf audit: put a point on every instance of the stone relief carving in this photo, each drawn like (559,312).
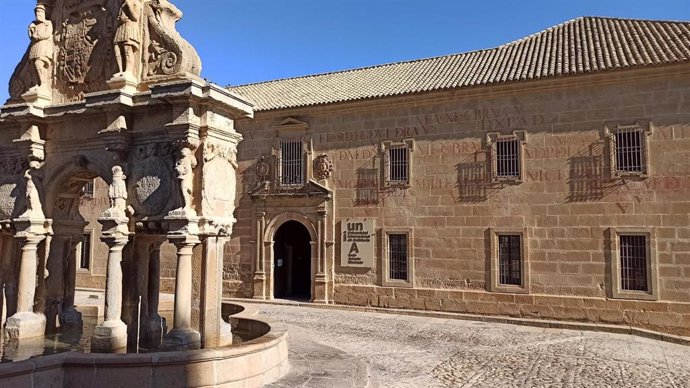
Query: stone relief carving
(13,166)
(42,47)
(77,45)
(323,167)
(167,53)
(262,169)
(128,37)
(81,49)
(9,192)
(150,184)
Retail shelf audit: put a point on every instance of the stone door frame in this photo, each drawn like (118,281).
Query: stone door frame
(267,225)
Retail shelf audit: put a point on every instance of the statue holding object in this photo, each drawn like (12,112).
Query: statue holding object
(42,47)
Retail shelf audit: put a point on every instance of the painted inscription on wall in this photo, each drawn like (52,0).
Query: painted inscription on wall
(357,243)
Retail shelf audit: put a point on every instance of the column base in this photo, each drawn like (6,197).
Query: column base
(22,326)
(17,350)
(320,295)
(157,327)
(109,337)
(181,339)
(71,318)
(225,334)
(259,286)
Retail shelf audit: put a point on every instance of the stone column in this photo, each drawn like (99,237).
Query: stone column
(215,331)
(9,266)
(259,271)
(111,335)
(320,279)
(26,323)
(182,336)
(156,325)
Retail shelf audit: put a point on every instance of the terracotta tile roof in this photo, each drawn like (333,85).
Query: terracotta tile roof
(580,46)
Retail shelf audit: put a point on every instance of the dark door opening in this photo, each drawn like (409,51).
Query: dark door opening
(292,262)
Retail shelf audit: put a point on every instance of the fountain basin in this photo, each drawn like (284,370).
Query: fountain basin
(252,363)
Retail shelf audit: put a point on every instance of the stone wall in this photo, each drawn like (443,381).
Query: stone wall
(566,204)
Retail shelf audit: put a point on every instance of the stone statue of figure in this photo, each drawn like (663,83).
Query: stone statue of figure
(128,37)
(33,202)
(184,167)
(117,192)
(42,47)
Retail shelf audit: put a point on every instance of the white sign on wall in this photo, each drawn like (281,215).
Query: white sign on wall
(357,243)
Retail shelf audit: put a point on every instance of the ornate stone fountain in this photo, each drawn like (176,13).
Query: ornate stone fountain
(109,89)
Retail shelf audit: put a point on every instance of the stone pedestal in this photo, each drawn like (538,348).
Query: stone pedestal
(124,82)
(320,284)
(260,290)
(110,336)
(25,325)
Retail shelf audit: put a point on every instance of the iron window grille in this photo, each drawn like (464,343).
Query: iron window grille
(88,189)
(506,156)
(628,150)
(398,164)
(510,260)
(85,254)
(398,260)
(633,263)
(291,160)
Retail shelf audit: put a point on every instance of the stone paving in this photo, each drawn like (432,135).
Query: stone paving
(335,348)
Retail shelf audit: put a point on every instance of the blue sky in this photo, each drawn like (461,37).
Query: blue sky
(257,40)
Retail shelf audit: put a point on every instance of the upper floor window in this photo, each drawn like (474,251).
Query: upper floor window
(291,161)
(88,189)
(628,148)
(397,164)
(506,156)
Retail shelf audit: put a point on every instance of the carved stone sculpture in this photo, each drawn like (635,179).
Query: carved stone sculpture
(323,167)
(34,210)
(168,53)
(184,166)
(263,169)
(117,192)
(42,47)
(128,37)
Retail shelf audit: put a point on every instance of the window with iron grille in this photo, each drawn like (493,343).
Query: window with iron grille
(398,165)
(508,158)
(291,161)
(510,260)
(397,251)
(88,189)
(629,150)
(633,263)
(85,255)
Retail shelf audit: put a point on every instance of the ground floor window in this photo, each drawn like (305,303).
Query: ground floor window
(633,264)
(509,261)
(397,261)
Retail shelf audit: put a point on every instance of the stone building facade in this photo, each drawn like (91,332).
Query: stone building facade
(546,178)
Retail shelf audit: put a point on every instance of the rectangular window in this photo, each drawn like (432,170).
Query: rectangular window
(88,189)
(510,260)
(508,158)
(629,150)
(398,164)
(633,263)
(397,251)
(291,161)
(85,254)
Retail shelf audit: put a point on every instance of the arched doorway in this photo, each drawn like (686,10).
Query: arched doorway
(292,262)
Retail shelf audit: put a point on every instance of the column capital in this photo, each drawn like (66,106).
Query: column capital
(115,242)
(182,241)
